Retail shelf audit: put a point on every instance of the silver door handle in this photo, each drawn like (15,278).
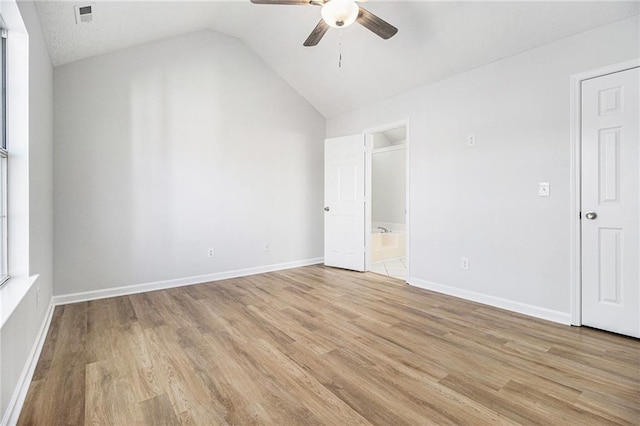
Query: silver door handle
(591,215)
(326,209)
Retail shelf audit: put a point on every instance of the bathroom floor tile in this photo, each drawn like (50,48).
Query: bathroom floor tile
(379,269)
(396,268)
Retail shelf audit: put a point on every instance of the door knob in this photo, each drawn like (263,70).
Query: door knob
(591,215)
(326,209)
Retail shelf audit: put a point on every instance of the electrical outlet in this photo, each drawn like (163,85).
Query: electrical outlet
(211,252)
(266,246)
(464,263)
(471,140)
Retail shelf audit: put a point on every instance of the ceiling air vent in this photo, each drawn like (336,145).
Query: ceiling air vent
(84,14)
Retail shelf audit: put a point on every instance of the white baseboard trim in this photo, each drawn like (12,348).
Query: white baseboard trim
(22,387)
(179,282)
(498,302)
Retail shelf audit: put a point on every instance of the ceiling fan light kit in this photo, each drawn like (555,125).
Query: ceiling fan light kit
(339,14)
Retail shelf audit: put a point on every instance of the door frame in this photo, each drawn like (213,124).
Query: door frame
(368,135)
(575,135)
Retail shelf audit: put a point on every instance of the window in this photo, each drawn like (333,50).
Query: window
(4,158)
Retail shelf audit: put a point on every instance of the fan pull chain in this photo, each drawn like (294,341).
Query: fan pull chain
(340,48)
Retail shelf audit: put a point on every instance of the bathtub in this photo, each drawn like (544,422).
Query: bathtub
(387,245)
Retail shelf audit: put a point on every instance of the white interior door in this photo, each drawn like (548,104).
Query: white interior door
(610,202)
(344,202)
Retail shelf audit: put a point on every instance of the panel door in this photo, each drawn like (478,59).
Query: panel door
(610,203)
(344,168)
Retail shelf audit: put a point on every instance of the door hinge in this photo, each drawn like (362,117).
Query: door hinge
(3,33)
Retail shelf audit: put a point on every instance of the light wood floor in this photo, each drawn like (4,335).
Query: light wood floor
(316,345)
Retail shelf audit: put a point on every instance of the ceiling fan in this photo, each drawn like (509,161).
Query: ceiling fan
(339,14)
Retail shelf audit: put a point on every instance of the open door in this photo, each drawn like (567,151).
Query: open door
(344,168)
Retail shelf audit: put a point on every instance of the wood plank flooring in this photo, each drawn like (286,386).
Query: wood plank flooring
(317,345)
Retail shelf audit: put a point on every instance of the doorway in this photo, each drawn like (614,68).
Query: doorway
(386,187)
(606,246)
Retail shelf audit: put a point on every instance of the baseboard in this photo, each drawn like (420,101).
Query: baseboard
(498,302)
(22,387)
(179,282)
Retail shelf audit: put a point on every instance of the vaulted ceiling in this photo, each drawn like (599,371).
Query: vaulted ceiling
(435,40)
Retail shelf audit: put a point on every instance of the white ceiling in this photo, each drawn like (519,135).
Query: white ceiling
(435,40)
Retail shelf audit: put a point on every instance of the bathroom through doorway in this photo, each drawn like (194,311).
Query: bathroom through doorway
(387,192)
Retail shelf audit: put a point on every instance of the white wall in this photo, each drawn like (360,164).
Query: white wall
(170,148)
(40,155)
(19,333)
(482,202)
(388,186)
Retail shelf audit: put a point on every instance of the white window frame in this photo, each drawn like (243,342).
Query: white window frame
(4,160)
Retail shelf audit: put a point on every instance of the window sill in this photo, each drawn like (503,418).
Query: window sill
(11,294)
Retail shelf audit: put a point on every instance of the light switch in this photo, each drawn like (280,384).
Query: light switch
(543,189)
